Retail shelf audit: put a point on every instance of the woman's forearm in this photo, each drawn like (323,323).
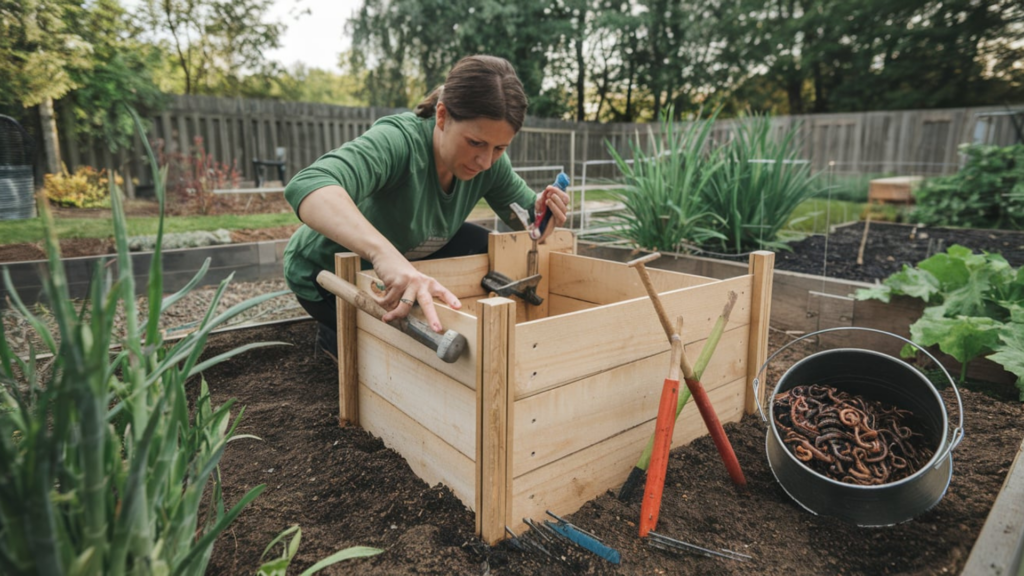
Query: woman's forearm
(331,212)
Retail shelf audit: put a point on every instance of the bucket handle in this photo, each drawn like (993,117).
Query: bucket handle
(958,432)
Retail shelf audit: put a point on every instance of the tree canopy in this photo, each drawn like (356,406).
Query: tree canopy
(603,60)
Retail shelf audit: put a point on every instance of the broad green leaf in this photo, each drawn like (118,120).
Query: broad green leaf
(1010,353)
(914,282)
(963,338)
(876,292)
(948,268)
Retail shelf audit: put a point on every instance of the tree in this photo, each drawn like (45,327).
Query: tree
(38,51)
(406,47)
(834,56)
(214,43)
(121,76)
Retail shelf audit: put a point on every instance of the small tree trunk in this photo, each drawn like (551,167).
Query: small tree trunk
(51,145)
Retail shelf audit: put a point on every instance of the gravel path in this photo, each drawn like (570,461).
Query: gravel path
(181,318)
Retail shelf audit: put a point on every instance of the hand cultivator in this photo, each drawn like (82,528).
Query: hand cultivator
(561,533)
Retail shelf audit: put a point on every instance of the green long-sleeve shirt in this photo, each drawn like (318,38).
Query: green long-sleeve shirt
(390,174)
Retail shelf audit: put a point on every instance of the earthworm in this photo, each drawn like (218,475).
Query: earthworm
(848,437)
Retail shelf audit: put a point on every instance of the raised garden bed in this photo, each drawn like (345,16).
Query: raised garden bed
(550,405)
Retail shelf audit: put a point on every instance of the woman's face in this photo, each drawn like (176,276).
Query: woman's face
(468,147)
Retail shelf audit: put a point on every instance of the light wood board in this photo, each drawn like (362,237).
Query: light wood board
(553,351)
(431,458)
(496,328)
(566,484)
(434,400)
(606,282)
(346,266)
(556,423)
(461,276)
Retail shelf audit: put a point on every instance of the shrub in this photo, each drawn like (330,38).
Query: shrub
(86,188)
(193,176)
(664,186)
(988,192)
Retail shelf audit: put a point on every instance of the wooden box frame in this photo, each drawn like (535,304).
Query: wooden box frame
(551,405)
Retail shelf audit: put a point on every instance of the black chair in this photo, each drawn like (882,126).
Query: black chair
(17,184)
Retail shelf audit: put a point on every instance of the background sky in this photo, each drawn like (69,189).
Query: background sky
(313,38)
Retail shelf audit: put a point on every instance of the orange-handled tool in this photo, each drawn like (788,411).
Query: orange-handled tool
(664,427)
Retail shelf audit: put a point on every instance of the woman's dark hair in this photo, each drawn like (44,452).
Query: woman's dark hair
(479,87)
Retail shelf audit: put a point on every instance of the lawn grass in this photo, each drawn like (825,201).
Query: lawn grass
(31,230)
(814,216)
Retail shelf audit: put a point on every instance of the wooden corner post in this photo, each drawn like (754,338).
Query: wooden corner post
(346,266)
(497,320)
(761,267)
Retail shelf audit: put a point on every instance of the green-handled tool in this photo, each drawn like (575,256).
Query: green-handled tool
(636,475)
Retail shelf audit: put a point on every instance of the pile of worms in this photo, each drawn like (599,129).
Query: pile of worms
(849,438)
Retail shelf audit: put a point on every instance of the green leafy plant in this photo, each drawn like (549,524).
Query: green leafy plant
(104,468)
(279,566)
(663,195)
(988,192)
(761,182)
(86,188)
(976,307)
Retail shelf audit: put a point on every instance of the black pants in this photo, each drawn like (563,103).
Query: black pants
(469,240)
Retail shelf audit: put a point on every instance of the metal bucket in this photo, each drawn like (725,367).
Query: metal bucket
(882,378)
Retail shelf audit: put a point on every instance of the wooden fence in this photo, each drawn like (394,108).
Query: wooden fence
(237,131)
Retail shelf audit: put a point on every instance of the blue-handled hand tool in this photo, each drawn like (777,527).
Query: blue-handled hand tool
(544,214)
(583,539)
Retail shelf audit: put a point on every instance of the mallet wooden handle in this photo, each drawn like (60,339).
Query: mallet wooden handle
(449,346)
(645,277)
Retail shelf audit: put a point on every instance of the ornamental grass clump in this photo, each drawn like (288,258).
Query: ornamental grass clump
(664,186)
(761,181)
(105,466)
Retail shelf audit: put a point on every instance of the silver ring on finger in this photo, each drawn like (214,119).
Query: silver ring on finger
(407,301)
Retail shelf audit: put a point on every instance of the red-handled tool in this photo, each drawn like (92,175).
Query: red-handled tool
(700,396)
(664,427)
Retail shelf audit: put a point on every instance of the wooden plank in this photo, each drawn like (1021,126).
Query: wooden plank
(432,459)
(566,484)
(346,266)
(999,550)
(462,370)
(605,282)
(558,304)
(556,423)
(460,275)
(761,269)
(572,346)
(494,338)
(440,404)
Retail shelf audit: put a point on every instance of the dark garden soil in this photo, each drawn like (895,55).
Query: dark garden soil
(345,488)
(888,247)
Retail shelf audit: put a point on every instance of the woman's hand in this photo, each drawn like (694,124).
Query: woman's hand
(557,202)
(405,286)
(331,212)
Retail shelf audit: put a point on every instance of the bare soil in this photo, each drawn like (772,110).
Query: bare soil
(888,247)
(344,487)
